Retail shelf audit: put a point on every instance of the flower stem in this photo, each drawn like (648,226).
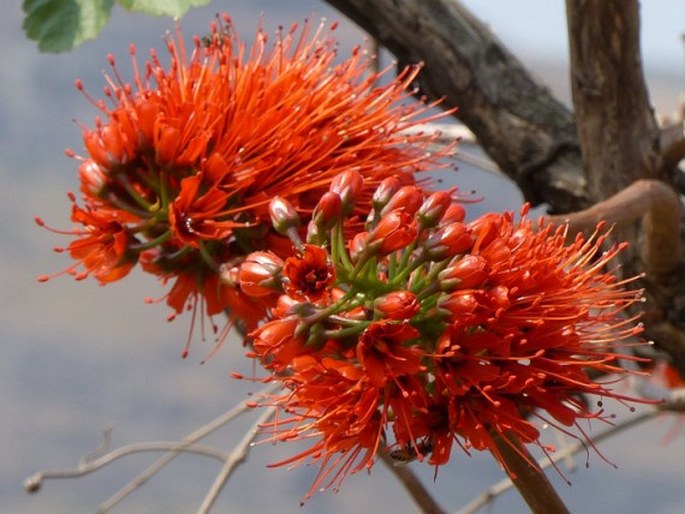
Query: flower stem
(531,482)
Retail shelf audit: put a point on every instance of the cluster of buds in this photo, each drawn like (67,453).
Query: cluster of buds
(181,165)
(419,331)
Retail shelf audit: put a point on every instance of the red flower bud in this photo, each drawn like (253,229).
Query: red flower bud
(326,214)
(468,272)
(433,209)
(408,198)
(396,305)
(277,340)
(327,211)
(458,304)
(454,212)
(259,274)
(395,230)
(348,185)
(283,215)
(449,241)
(384,192)
(92,178)
(357,244)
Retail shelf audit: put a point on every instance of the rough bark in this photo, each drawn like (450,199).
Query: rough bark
(619,136)
(621,143)
(523,128)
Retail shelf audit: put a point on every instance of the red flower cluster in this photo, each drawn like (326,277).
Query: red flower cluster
(432,332)
(180,170)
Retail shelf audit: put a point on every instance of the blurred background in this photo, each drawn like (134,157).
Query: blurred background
(77,357)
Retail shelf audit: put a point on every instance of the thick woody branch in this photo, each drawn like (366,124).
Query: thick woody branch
(619,137)
(672,141)
(523,128)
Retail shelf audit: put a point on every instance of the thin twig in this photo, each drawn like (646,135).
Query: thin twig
(413,485)
(236,457)
(197,435)
(448,132)
(34,482)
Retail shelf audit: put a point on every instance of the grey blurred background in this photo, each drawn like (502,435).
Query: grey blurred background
(77,357)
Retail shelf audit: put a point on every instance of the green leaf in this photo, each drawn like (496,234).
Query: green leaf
(174,8)
(60,25)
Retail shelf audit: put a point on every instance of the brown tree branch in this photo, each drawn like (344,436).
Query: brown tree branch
(672,142)
(412,485)
(523,128)
(619,136)
(528,478)
(581,445)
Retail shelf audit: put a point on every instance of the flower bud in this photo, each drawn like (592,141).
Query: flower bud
(395,230)
(458,304)
(468,272)
(433,208)
(407,198)
(92,178)
(286,306)
(397,305)
(454,212)
(284,218)
(448,241)
(348,186)
(357,245)
(326,214)
(327,210)
(260,274)
(384,192)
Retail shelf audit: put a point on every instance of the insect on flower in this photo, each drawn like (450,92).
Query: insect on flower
(409,453)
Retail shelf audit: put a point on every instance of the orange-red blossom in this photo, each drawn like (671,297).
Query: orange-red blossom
(417,350)
(181,165)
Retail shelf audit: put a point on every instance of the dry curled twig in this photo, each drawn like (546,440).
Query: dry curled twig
(660,209)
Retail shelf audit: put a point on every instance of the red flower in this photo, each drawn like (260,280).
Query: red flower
(309,275)
(102,247)
(180,169)
(382,353)
(458,349)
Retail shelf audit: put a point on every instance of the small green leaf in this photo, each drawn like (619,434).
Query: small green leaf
(174,8)
(60,25)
